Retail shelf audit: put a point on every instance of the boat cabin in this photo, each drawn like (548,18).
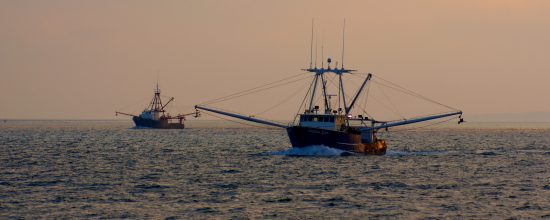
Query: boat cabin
(324,121)
(152,115)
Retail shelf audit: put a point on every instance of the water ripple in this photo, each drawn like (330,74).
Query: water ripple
(61,169)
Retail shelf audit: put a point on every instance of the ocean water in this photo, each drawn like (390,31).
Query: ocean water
(104,169)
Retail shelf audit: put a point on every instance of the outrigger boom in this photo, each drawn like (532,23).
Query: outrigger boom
(411,121)
(384,125)
(246,118)
(122,113)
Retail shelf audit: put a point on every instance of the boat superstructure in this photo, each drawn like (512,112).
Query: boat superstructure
(155,115)
(331,127)
(330,124)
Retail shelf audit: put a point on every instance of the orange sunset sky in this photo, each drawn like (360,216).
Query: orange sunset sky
(66,59)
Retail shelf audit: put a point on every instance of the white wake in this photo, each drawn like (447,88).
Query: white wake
(313,150)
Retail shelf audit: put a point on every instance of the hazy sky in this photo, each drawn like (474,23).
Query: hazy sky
(86,59)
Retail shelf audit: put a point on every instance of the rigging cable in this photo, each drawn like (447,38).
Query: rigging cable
(399,88)
(248,91)
(252,92)
(135,103)
(283,101)
(303,103)
(338,87)
(392,105)
(410,92)
(366,101)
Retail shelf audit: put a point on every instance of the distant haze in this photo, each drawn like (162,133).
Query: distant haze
(66,59)
(511,117)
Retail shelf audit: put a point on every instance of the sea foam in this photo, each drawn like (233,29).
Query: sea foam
(313,150)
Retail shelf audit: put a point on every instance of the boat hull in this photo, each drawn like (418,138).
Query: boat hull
(348,141)
(158,124)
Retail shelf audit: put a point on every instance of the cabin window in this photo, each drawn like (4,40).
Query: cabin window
(318,118)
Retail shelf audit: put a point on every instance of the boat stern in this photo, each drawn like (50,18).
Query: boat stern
(371,144)
(377,147)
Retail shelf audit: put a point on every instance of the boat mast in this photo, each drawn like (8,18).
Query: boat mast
(341,86)
(313,92)
(311,46)
(343,41)
(340,75)
(327,105)
(320,72)
(156,103)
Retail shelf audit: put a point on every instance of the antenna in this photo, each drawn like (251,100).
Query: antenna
(157,90)
(311,46)
(343,42)
(316,47)
(322,50)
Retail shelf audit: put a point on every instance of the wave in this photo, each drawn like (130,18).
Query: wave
(400,153)
(313,150)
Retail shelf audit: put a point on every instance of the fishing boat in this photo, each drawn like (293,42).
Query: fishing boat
(155,115)
(334,126)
